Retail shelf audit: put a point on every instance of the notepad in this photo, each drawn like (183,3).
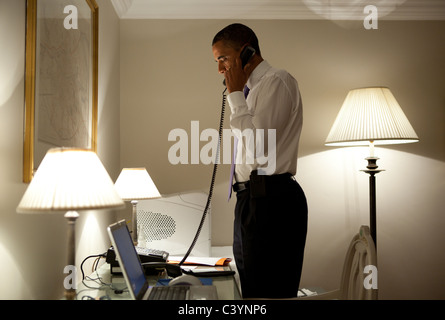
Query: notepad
(205,261)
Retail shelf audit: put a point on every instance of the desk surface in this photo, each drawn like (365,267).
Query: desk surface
(104,285)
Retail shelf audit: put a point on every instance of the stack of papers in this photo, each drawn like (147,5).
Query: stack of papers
(205,261)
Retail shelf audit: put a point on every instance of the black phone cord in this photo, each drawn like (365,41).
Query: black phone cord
(212,183)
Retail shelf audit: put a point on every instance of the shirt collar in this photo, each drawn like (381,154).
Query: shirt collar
(258,73)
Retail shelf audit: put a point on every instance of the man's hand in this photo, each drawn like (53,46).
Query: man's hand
(236,76)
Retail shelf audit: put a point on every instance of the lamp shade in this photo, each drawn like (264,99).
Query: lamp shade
(136,184)
(70,179)
(370,115)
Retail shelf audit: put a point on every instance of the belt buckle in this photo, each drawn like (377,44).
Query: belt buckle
(240,186)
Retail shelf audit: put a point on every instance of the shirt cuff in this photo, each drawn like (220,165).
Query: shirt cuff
(236,101)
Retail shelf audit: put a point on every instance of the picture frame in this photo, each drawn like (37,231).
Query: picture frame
(61,78)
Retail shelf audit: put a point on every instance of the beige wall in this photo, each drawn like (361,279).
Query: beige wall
(33,247)
(169,78)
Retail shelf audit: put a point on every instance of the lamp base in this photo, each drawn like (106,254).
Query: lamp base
(372,166)
(70,294)
(372,163)
(71,216)
(134,203)
(372,171)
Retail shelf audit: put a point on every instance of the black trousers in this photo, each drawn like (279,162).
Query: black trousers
(269,237)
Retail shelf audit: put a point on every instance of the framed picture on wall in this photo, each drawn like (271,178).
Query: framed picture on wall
(61,80)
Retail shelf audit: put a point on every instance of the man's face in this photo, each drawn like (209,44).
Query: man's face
(224,56)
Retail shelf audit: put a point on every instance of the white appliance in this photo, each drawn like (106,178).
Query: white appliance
(170,223)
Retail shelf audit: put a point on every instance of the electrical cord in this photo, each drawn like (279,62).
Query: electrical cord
(101,285)
(98,280)
(212,183)
(95,263)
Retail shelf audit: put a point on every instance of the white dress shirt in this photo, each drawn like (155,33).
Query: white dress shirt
(273,105)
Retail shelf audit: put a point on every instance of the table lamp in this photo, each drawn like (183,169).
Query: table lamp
(135,184)
(371,116)
(69,180)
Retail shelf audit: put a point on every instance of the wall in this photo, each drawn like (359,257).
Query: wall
(33,247)
(169,78)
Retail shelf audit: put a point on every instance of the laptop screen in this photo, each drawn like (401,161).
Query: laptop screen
(128,258)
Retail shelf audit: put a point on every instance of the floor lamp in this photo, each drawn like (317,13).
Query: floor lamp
(135,184)
(69,180)
(371,116)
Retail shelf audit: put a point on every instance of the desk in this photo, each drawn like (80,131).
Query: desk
(104,285)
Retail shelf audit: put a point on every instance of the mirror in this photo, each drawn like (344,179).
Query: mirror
(61,80)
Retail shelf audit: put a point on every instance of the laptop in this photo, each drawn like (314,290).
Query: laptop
(134,275)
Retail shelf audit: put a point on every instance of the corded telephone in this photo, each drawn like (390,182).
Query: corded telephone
(146,255)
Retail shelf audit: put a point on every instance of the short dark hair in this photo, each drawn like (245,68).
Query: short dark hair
(237,35)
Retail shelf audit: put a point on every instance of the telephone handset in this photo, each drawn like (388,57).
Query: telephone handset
(245,56)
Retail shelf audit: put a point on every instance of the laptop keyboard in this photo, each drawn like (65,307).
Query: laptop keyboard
(169,293)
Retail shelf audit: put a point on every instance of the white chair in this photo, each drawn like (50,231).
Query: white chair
(361,253)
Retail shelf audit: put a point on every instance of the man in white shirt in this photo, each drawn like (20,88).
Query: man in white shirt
(270,223)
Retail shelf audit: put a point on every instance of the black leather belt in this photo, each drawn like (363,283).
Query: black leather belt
(241,186)
(276,178)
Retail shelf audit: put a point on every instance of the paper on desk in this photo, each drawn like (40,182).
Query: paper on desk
(200,269)
(206,261)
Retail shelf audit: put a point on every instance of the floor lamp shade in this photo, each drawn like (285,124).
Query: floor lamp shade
(370,115)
